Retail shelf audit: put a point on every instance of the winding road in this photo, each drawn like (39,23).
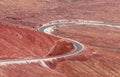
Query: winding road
(48,28)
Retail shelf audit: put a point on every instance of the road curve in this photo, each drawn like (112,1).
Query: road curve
(78,46)
(48,28)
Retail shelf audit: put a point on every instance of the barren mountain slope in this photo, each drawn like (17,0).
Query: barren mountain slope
(36,12)
(101,56)
(22,43)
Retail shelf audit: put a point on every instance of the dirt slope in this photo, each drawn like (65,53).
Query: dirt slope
(22,43)
(101,56)
(36,12)
(27,70)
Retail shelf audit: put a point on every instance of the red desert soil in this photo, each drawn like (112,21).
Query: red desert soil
(36,12)
(101,57)
(21,43)
(27,70)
